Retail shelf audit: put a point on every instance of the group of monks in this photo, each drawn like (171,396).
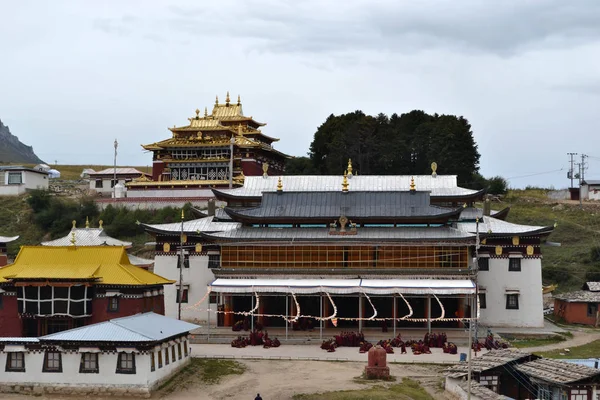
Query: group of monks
(255,338)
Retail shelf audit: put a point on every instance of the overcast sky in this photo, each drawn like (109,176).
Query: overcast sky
(76,75)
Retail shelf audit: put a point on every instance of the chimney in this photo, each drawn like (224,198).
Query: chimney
(487,207)
(211,207)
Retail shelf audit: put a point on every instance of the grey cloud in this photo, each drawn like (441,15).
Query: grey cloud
(591,88)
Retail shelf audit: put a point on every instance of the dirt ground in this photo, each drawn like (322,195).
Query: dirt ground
(280,380)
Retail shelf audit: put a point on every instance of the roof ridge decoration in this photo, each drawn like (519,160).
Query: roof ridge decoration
(279,186)
(349,168)
(227,99)
(413,188)
(87,222)
(434,169)
(345,182)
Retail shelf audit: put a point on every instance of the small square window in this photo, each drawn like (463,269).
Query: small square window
(15,178)
(89,363)
(186,261)
(126,363)
(512,301)
(15,362)
(212,299)
(52,362)
(484,264)
(514,264)
(592,310)
(98,183)
(152,362)
(113,304)
(214,260)
(482,300)
(184,294)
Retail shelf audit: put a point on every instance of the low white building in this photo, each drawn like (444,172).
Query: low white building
(130,355)
(590,189)
(103,182)
(16,180)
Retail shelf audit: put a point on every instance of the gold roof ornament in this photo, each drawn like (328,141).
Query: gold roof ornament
(73,240)
(227,98)
(216,100)
(239,103)
(182,216)
(87,222)
(265,168)
(74,224)
(345,182)
(433,169)
(350,167)
(205,112)
(240,129)
(412,184)
(100,224)
(279,185)
(197,113)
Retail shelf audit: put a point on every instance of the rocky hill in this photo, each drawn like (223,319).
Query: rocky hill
(13,151)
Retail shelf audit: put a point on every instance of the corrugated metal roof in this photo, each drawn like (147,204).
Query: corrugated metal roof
(135,260)
(147,327)
(592,182)
(489,360)
(442,185)
(194,226)
(120,171)
(492,225)
(472,213)
(362,234)
(18,340)
(557,371)
(108,265)
(331,205)
(579,296)
(87,237)
(593,286)
(8,239)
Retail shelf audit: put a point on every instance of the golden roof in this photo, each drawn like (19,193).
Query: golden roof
(106,265)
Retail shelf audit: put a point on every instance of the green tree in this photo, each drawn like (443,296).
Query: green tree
(497,185)
(300,166)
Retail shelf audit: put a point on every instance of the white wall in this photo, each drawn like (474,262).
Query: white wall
(593,192)
(528,281)
(106,187)
(198,276)
(149,193)
(33,180)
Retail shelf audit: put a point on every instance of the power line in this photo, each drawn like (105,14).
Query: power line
(536,174)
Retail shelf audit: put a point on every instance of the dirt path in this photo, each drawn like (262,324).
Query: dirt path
(579,338)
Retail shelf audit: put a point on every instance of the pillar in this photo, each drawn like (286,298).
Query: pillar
(286,316)
(394,313)
(360,311)
(252,315)
(321,315)
(429,313)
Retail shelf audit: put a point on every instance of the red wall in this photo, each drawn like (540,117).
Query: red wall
(3,260)
(573,313)
(157,169)
(127,307)
(10,322)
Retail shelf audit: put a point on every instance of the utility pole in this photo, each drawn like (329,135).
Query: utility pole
(115,174)
(181,265)
(571,170)
(583,157)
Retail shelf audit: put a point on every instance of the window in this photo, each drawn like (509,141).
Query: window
(212,299)
(184,294)
(15,178)
(484,264)
(174,357)
(1,303)
(112,183)
(159,354)
(179,350)
(98,183)
(186,261)
(167,361)
(592,310)
(544,393)
(113,304)
(89,363)
(15,362)
(126,363)
(52,362)
(514,264)
(152,363)
(482,300)
(512,301)
(185,348)
(214,261)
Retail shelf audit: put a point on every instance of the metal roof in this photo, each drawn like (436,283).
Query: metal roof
(489,360)
(147,327)
(481,392)
(557,371)
(439,186)
(491,225)
(87,237)
(194,226)
(107,265)
(593,286)
(362,234)
(18,340)
(120,171)
(135,260)
(579,296)
(7,239)
(331,205)
(472,213)
(591,182)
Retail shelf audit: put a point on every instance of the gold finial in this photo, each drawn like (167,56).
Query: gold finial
(87,222)
(72,238)
(74,224)
(412,184)
(239,100)
(433,169)
(227,98)
(217,101)
(100,224)
(279,185)
(240,129)
(182,214)
(345,182)
(265,168)
(349,167)
(197,113)
(205,112)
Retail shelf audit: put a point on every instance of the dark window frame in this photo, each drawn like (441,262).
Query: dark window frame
(179,350)
(185,295)
(112,308)
(47,368)
(514,264)
(482,300)
(185,349)
(213,299)
(173,355)
(9,360)
(120,369)
(484,264)
(160,360)
(214,261)
(86,370)
(186,261)
(99,184)
(510,306)
(167,359)
(591,306)
(152,362)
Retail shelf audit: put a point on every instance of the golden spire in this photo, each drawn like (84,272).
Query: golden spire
(72,238)
(349,167)
(197,113)
(433,169)
(279,185)
(217,101)
(205,112)
(412,184)
(87,222)
(239,101)
(74,224)
(182,214)
(345,182)
(100,224)
(265,168)
(227,98)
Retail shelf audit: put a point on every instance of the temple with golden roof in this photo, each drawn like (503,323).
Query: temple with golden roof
(213,150)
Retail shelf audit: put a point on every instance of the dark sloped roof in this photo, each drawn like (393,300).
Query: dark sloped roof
(579,296)
(489,360)
(557,371)
(357,206)
(592,286)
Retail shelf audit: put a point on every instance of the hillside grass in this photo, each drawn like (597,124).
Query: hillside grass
(590,350)
(407,390)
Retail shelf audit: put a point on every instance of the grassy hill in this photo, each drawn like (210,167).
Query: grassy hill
(577,230)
